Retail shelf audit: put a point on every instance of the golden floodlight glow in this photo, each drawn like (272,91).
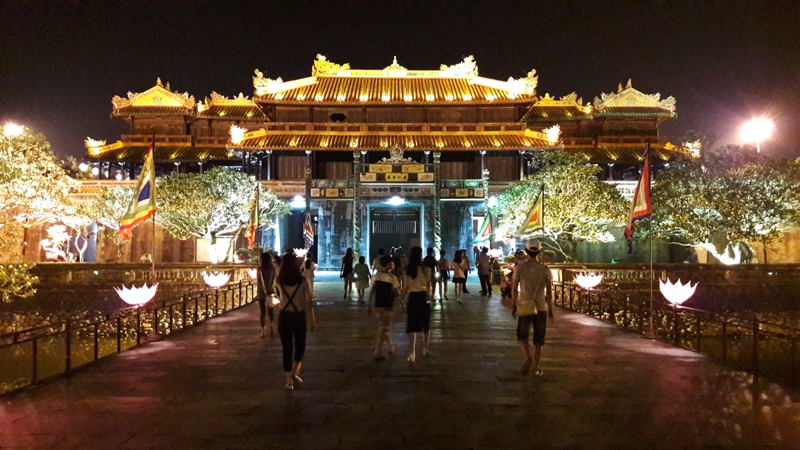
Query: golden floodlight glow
(216,279)
(340,98)
(11,130)
(93,143)
(407,97)
(237,133)
(449,97)
(588,280)
(553,133)
(137,296)
(301,96)
(385,97)
(279,96)
(676,293)
(490,97)
(757,130)
(353,142)
(467,97)
(318,97)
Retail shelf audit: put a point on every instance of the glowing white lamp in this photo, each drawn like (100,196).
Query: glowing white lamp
(396,200)
(300,252)
(676,293)
(216,279)
(757,130)
(298,202)
(588,280)
(137,296)
(252,273)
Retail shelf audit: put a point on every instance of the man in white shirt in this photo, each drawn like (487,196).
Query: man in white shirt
(532,304)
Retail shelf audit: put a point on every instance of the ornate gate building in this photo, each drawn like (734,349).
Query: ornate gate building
(382,158)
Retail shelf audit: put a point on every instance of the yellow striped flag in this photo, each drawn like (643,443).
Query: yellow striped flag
(251,229)
(143,204)
(535,219)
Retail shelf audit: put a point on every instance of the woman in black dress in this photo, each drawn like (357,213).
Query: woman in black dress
(347,267)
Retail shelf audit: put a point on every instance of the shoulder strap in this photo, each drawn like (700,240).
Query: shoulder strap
(290,298)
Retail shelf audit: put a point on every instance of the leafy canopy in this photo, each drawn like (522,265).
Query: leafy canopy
(578,206)
(211,204)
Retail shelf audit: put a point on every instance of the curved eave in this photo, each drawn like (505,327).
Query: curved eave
(384,142)
(165,153)
(627,154)
(233,113)
(152,111)
(554,112)
(635,112)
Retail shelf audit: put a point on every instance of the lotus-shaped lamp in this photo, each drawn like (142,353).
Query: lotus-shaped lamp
(216,279)
(588,280)
(676,293)
(137,296)
(300,252)
(252,273)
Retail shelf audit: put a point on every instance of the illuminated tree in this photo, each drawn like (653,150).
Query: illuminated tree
(33,189)
(214,203)
(577,205)
(107,208)
(732,197)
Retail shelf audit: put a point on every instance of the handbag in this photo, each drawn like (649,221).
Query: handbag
(527,308)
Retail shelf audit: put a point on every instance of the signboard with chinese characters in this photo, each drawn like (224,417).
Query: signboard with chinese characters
(396,177)
(380,168)
(413,168)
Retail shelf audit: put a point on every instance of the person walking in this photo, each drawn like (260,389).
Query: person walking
(484,264)
(532,304)
(385,287)
(344,272)
(361,278)
(307,269)
(467,271)
(444,275)
(416,282)
(295,318)
(376,263)
(432,264)
(459,267)
(266,279)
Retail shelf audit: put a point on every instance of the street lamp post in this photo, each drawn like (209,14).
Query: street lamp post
(757,130)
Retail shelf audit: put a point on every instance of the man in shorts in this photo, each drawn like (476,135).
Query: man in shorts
(385,287)
(532,303)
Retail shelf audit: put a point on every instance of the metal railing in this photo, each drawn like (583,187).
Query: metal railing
(31,356)
(758,346)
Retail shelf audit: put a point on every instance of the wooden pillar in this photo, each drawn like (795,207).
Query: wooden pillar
(437,206)
(357,203)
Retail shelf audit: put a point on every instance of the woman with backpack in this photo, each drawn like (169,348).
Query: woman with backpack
(296,316)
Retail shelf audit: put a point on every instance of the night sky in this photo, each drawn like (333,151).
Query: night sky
(61,62)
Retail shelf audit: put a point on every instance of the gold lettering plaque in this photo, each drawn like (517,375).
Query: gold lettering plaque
(380,168)
(425,177)
(314,192)
(462,192)
(368,177)
(413,168)
(333,192)
(396,177)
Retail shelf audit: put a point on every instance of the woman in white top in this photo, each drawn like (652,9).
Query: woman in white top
(460,267)
(307,269)
(416,282)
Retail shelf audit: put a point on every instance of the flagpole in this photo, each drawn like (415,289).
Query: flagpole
(651,334)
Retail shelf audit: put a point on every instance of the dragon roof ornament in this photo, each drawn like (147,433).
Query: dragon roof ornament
(324,67)
(629,96)
(525,85)
(466,68)
(261,83)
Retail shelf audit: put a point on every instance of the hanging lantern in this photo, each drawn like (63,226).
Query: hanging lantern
(588,280)
(216,279)
(137,296)
(676,293)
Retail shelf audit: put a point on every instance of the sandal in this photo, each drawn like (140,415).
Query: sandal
(288,386)
(298,380)
(538,372)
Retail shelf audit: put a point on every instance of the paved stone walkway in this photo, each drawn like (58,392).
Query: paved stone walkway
(219,386)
